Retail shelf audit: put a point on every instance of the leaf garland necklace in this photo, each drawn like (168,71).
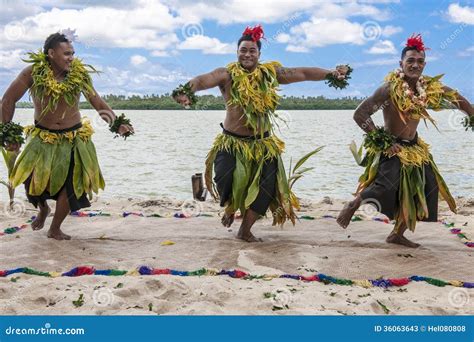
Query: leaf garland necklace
(256,93)
(46,88)
(429,94)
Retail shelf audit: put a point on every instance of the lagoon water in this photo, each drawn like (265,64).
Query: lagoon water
(170,146)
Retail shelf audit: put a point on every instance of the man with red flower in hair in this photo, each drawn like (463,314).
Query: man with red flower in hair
(401,178)
(246,157)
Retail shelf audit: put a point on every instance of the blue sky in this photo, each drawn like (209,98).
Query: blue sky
(145,47)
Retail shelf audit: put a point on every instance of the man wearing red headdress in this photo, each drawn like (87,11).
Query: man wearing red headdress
(246,157)
(401,178)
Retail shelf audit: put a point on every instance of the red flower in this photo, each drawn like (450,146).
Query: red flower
(416,42)
(256,32)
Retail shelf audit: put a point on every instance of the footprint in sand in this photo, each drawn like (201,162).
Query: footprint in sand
(128,293)
(245,261)
(154,284)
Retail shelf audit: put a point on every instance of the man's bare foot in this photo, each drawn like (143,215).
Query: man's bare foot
(249,238)
(38,222)
(227,220)
(346,214)
(401,240)
(58,235)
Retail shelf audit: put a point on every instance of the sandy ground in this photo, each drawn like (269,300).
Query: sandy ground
(320,245)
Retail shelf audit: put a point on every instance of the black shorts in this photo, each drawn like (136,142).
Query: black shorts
(224,166)
(385,188)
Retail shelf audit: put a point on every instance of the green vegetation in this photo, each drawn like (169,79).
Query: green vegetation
(210,102)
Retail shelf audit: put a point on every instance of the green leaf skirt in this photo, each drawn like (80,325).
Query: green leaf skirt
(251,154)
(46,159)
(412,193)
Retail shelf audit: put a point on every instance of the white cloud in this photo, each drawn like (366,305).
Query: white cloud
(459,14)
(321,31)
(467,53)
(137,60)
(318,32)
(296,48)
(152,25)
(160,53)
(394,61)
(152,79)
(390,30)
(239,11)
(382,47)
(378,62)
(149,25)
(207,45)
(283,38)
(349,9)
(330,25)
(273,11)
(12,59)
(17,10)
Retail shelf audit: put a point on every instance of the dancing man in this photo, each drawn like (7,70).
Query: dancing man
(246,157)
(59,161)
(401,177)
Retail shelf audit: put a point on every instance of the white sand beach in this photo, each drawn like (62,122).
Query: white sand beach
(318,245)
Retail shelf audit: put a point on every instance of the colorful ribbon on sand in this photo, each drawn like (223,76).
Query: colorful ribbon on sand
(458,232)
(239,274)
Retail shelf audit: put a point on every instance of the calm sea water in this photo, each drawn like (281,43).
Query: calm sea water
(170,146)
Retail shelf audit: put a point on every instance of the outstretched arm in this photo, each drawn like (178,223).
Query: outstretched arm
(369,106)
(14,93)
(105,112)
(300,74)
(210,80)
(215,78)
(462,103)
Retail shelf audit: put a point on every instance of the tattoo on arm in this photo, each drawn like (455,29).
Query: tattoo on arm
(288,75)
(379,100)
(363,113)
(287,71)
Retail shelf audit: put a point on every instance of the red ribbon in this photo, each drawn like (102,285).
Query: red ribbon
(399,281)
(84,270)
(239,274)
(161,271)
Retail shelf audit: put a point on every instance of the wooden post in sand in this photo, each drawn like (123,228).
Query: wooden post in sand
(199,193)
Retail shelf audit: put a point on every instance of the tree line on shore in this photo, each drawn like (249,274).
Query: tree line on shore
(211,102)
